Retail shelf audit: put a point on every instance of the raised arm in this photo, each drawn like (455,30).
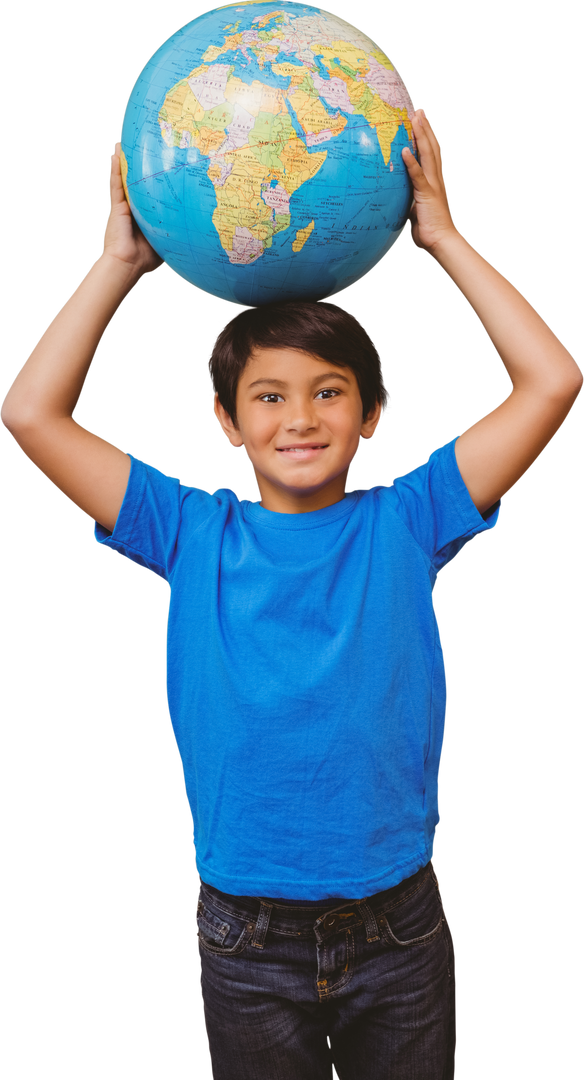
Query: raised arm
(39,406)
(497,450)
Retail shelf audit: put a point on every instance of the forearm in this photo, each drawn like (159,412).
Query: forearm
(50,382)
(534,358)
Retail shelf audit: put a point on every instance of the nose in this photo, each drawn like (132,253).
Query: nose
(301,417)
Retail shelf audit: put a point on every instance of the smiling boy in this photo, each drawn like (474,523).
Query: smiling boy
(305,675)
(328,433)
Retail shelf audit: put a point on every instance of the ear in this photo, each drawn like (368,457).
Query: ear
(371,421)
(223,422)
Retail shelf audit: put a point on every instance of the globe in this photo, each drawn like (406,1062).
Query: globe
(261,152)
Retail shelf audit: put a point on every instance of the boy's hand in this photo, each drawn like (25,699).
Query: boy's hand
(430,215)
(123,239)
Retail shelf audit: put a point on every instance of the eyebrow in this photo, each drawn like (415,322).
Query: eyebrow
(317,379)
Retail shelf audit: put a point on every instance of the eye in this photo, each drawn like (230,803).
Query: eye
(271,398)
(328,393)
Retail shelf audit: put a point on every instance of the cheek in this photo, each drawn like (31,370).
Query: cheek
(345,423)
(267,423)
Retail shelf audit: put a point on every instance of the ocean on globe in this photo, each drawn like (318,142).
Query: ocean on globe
(262,152)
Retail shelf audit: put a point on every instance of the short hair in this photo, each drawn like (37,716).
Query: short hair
(321,329)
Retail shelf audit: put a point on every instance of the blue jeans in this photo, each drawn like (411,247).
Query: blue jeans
(373,976)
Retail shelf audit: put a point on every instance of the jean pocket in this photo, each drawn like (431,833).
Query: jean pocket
(415,920)
(221,931)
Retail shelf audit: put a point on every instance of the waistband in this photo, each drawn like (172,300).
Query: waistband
(324,920)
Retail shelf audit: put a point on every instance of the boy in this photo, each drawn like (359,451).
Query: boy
(304,667)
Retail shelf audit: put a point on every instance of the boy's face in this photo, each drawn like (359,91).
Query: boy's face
(300,419)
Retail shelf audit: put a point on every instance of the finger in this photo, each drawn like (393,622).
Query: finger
(415,170)
(117,158)
(426,153)
(433,140)
(428,135)
(116,187)
(115,164)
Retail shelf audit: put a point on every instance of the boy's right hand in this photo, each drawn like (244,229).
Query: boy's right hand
(123,239)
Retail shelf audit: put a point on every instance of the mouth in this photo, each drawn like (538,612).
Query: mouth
(302,451)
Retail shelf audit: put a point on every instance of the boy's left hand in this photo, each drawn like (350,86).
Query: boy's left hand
(430,214)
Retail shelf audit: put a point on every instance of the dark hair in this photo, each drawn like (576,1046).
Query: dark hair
(324,330)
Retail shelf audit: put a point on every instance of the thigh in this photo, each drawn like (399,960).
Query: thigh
(398,1022)
(263,1019)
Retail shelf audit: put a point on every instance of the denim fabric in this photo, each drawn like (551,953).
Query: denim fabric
(374,975)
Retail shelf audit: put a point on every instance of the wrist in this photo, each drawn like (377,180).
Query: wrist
(119,272)
(446,246)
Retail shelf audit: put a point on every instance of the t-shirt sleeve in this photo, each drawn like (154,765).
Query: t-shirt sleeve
(149,523)
(434,504)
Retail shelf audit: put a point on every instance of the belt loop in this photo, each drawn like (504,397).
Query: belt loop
(261,929)
(371,928)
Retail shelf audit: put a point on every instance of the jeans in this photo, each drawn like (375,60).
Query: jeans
(372,977)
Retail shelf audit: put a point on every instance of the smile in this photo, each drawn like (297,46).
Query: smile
(301,451)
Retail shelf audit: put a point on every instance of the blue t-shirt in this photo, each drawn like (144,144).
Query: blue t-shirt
(305,674)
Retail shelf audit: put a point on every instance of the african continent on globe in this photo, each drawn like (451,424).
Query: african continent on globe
(261,152)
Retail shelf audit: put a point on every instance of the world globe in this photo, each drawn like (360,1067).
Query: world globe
(262,152)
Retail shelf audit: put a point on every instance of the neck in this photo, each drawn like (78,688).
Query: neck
(294,501)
